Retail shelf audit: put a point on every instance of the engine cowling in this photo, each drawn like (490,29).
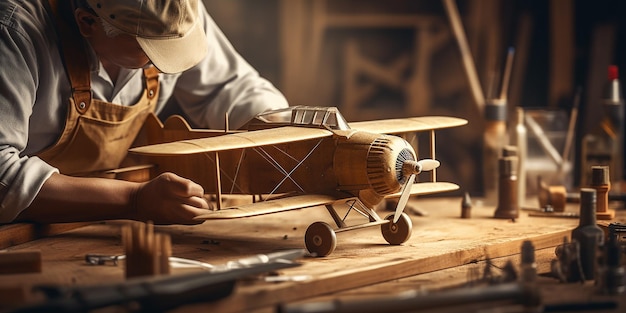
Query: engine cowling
(370,165)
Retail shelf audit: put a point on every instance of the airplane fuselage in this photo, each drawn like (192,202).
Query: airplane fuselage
(363,164)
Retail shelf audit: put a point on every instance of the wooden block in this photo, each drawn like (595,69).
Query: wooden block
(12,295)
(558,197)
(16,262)
(609,214)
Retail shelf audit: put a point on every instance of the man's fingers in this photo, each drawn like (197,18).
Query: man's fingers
(184,187)
(197,202)
(193,212)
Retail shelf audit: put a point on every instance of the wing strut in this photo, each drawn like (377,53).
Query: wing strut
(218,181)
(432,153)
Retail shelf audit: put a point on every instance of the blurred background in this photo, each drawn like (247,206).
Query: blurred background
(397,58)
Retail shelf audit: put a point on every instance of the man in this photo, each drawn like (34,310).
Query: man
(117,61)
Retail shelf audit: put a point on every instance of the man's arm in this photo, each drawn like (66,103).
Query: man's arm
(167,199)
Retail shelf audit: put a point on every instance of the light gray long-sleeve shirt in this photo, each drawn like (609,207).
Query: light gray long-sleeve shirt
(35,90)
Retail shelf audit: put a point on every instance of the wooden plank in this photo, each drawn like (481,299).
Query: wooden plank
(367,264)
(12,262)
(562,51)
(468,276)
(440,240)
(15,234)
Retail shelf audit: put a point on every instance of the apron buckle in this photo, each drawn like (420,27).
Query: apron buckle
(82,98)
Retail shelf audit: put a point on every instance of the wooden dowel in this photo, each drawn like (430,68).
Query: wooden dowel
(504,90)
(466,54)
(147,253)
(572,125)
(165,251)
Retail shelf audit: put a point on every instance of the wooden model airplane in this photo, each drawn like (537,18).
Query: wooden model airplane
(302,157)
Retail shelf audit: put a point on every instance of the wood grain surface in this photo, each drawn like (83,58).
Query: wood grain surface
(440,240)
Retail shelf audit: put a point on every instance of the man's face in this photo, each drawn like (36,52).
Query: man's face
(122,50)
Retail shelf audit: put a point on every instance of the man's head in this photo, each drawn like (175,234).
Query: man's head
(168,32)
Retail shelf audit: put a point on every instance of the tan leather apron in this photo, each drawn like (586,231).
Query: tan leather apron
(97,134)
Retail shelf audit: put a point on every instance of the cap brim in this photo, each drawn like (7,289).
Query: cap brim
(176,55)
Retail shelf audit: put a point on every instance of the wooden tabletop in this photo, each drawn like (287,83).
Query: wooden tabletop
(440,240)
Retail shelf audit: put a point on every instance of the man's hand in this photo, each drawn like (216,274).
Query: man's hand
(169,199)
(166,199)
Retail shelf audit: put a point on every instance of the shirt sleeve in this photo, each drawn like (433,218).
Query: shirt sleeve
(223,83)
(21,177)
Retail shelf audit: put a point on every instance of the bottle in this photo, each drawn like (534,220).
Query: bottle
(494,139)
(519,138)
(589,236)
(507,189)
(603,145)
(528,265)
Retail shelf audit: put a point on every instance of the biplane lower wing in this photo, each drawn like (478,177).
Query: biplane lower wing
(427,188)
(310,200)
(270,206)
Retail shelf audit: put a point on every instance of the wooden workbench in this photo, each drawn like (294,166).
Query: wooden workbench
(441,240)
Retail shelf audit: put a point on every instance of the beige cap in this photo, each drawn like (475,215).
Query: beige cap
(169,31)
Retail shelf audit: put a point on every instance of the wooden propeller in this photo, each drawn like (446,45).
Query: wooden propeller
(412,168)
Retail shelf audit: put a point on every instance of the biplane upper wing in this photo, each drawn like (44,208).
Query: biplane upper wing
(411,124)
(309,200)
(234,141)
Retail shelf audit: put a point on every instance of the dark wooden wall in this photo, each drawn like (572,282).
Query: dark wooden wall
(308,49)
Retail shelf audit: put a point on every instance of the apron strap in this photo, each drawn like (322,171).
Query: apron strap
(75,60)
(151,75)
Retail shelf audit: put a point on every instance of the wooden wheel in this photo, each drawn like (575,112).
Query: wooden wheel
(399,232)
(320,239)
